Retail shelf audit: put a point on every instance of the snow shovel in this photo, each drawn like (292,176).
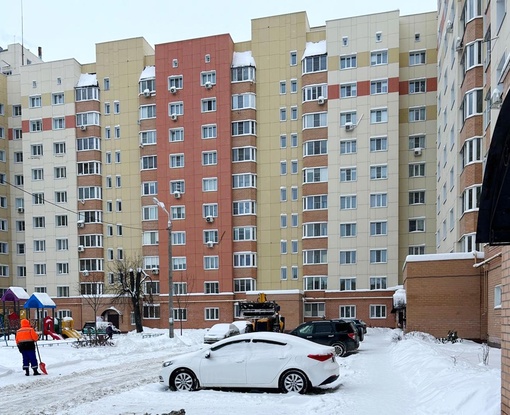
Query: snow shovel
(42,365)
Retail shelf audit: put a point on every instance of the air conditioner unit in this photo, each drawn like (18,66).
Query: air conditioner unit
(321,100)
(458,44)
(173,89)
(146,93)
(417,151)
(83,127)
(21,209)
(449,26)
(80,223)
(155,271)
(177,195)
(208,85)
(85,273)
(496,98)
(173,117)
(349,126)
(210,244)
(209,219)
(81,248)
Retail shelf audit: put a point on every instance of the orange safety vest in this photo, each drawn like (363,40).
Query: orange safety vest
(26,334)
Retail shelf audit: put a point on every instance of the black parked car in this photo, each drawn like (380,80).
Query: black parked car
(340,334)
(360,325)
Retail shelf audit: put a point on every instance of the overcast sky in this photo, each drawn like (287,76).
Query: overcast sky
(70,28)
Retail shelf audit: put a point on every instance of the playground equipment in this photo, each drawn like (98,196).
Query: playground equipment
(68,328)
(49,328)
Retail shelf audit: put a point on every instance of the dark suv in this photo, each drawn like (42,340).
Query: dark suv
(360,325)
(340,334)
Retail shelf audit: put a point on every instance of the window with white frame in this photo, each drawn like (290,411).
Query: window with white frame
(497,296)
(348,146)
(315,63)
(58,123)
(347,117)
(208,78)
(179,263)
(348,174)
(178,212)
(210,209)
(379,57)
(348,202)
(417,197)
(244,207)
(377,311)
(57,98)
(245,260)
(348,90)
(417,170)
(244,154)
(180,314)
(417,86)
(314,92)
(88,118)
(378,283)
(315,309)
(378,200)
(348,230)
(315,175)
(417,57)
(176,108)
(379,115)
(245,233)
(416,250)
(243,101)
(348,62)
(473,103)
(379,172)
(471,198)
(148,137)
(283,114)
(417,114)
(147,111)
(315,230)
(315,283)
(209,105)
(36,126)
(347,311)
(315,256)
(211,313)
(379,86)
(177,186)
(315,147)
(315,202)
(243,73)
(378,228)
(150,238)
(472,151)
(34,101)
(244,180)
(248,127)
(378,256)
(416,141)
(176,134)
(315,120)
(211,262)
(175,81)
(149,163)
(209,158)
(378,144)
(176,161)
(348,284)
(417,225)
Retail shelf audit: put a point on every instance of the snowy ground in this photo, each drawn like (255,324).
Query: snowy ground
(414,375)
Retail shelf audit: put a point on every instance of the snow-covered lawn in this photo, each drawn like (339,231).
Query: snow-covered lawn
(413,375)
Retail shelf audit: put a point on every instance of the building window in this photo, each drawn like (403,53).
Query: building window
(378,256)
(417,114)
(417,170)
(244,128)
(497,296)
(34,101)
(377,283)
(315,256)
(176,161)
(379,87)
(473,103)
(244,207)
(211,313)
(348,146)
(348,174)
(315,120)
(347,117)
(283,114)
(417,86)
(416,250)
(245,233)
(348,90)
(244,284)
(210,184)
(378,144)
(180,288)
(315,175)
(211,262)
(244,180)
(378,116)
(175,82)
(348,202)
(347,257)
(177,134)
(417,225)
(36,126)
(180,314)
(243,101)
(293,58)
(245,260)
(314,230)
(417,58)
(377,311)
(379,57)
(147,111)
(208,78)
(209,105)
(244,154)
(175,108)
(378,228)
(316,63)
(347,311)
(315,309)
(378,200)
(378,172)
(314,92)
(417,197)
(315,283)
(348,62)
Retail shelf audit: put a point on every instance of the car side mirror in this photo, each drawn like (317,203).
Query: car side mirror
(207,354)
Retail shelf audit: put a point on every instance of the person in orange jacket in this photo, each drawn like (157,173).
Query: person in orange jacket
(25,340)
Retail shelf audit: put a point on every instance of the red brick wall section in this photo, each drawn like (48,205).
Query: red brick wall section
(505,332)
(444,295)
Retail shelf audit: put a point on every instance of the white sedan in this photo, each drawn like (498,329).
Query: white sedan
(220,331)
(255,360)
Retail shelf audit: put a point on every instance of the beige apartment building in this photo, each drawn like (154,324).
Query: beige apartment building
(300,163)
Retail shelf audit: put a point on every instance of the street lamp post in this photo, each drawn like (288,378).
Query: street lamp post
(170,272)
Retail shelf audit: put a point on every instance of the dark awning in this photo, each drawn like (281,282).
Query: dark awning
(494,209)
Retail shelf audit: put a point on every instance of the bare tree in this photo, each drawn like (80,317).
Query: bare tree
(131,284)
(182,289)
(91,291)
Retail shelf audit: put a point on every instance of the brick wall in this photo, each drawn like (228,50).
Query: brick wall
(444,295)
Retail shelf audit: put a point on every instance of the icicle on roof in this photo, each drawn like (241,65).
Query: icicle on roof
(243,59)
(313,49)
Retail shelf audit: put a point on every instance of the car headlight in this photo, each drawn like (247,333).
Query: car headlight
(169,363)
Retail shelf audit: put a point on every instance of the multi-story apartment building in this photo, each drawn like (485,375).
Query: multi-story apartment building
(300,163)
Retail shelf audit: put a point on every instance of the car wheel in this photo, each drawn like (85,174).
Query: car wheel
(340,349)
(361,337)
(183,380)
(294,381)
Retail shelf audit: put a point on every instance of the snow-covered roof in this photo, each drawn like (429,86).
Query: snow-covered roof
(445,257)
(313,49)
(15,294)
(87,79)
(148,72)
(243,59)
(399,298)
(40,300)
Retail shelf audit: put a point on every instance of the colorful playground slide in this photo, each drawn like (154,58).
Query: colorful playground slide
(71,333)
(53,335)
